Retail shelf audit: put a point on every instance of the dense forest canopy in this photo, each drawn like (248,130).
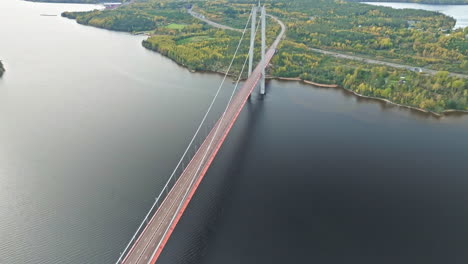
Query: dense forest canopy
(413,37)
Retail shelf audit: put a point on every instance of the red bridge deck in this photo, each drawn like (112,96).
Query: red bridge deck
(154,237)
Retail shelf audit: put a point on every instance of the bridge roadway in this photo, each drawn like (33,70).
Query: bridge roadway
(154,237)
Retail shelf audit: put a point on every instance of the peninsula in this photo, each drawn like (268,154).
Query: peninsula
(432,54)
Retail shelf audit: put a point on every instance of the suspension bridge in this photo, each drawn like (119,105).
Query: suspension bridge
(152,235)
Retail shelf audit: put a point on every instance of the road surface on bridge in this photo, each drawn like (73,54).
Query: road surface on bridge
(153,238)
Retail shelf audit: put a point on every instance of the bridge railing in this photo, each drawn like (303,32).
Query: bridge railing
(187,157)
(162,195)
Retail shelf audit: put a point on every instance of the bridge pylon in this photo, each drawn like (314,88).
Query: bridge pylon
(253,28)
(252,38)
(262,81)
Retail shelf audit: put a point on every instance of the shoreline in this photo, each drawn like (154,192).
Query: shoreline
(320,85)
(335,86)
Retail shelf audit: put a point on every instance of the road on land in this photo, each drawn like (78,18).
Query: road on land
(209,22)
(385,63)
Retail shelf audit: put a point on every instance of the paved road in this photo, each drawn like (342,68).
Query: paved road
(209,22)
(152,240)
(391,64)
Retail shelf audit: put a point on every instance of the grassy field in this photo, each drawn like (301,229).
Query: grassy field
(176,26)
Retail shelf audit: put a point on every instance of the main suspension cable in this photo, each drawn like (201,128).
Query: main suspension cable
(189,145)
(206,151)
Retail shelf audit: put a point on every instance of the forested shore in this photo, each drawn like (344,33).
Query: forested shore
(414,37)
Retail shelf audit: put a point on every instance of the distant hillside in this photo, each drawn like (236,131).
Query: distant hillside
(434,2)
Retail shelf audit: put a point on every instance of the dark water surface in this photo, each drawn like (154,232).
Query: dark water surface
(318,176)
(91,125)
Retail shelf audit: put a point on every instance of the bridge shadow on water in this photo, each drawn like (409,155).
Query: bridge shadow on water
(316,176)
(188,243)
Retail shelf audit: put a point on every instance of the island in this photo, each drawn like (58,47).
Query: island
(408,57)
(2,69)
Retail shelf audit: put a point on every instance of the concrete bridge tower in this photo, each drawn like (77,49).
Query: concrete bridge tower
(255,10)
(252,38)
(262,81)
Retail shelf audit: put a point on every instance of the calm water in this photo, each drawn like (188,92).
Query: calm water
(91,125)
(459,12)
